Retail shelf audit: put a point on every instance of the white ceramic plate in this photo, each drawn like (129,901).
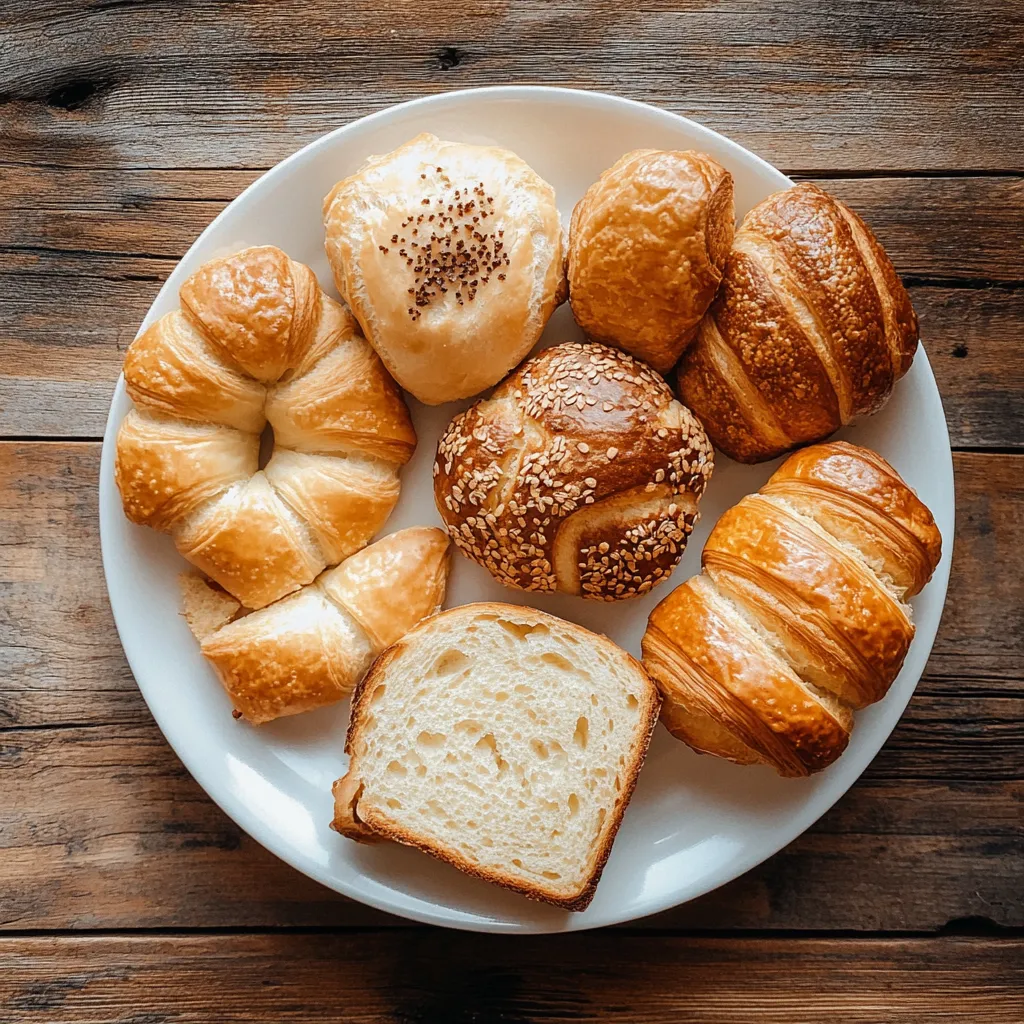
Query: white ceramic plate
(694,822)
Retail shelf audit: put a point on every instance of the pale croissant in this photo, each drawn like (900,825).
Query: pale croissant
(257,341)
(311,648)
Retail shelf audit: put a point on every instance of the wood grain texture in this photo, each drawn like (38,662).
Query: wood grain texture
(928,835)
(413,977)
(87,252)
(887,84)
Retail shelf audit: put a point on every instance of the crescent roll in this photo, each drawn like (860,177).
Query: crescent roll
(311,648)
(257,341)
(800,616)
(811,328)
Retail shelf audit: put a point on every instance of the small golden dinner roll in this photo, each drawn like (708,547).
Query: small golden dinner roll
(450,257)
(647,246)
(580,474)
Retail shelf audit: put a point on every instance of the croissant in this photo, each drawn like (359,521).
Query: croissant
(810,328)
(311,648)
(800,616)
(257,341)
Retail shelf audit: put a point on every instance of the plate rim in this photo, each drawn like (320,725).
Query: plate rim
(424,911)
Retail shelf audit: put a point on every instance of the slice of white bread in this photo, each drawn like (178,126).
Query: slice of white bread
(504,741)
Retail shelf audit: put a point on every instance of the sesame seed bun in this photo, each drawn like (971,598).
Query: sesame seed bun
(581,474)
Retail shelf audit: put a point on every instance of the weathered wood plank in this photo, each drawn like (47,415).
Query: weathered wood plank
(427,976)
(107,830)
(61,663)
(927,836)
(889,84)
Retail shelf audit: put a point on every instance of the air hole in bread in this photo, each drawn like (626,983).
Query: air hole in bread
(501,695)
(470,726)
(394,804)
(574,804)
(518,863)
(551,874)
(397,768)
(450,662)
(557,661)
(522,630)
(632,702)
(378,693)
(523,690)
(602,813)
(582,733)
(539,748)
(430,740)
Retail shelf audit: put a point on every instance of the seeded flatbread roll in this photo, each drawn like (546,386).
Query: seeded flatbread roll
(450,257)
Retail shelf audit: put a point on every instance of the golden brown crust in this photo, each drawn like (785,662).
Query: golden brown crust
(450,256)
(798,618)
(165,470)
(581,473)
(249,542)
(186,458)
(364,823)
(647,245)
(706,658)
(373,584)
(346,402)
(259,307)
(811,328)
(311,648)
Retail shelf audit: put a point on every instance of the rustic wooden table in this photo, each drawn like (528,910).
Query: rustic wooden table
(125,895)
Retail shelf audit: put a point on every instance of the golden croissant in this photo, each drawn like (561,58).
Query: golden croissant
(800,616)
(257,341)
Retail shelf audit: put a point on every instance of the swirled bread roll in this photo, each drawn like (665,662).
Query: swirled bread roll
(580,474)
(800,616)
(450,256)
(811,328)
(311,648)
(256,341)
(647,246)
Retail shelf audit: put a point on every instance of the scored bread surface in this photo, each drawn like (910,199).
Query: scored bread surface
(504,741)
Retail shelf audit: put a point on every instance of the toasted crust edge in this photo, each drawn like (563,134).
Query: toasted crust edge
(364,827)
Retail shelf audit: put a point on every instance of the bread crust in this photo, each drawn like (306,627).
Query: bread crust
(364,823)
(255,341)
(580,474)
(647,247)
(799,617)
(811,328)
(451,258)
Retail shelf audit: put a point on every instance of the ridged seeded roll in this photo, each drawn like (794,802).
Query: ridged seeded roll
(256,340)
(311,648)
(501,740)
(800,616)
(647,246)
(811,327)
(451,258)
(580,474)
